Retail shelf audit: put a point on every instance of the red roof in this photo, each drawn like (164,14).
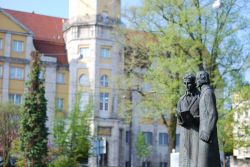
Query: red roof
(52,49)
(48,33)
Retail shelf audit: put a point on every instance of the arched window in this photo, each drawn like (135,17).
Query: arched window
(104,81)
(84,80)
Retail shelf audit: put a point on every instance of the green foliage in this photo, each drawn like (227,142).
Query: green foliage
(73,139)
(9,118)
(142,148)
(189,36)
(33,131)
(63,161)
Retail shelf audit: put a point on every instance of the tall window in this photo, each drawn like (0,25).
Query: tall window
(84,52)
(15,98)
(105,52)
(1,71)
(148,136)
(127,164)
(60,78)
(59,104)
(104,101)
(84,80)
(16,73)
(104,81)
(163,138)
(84,101)
(146,164)
(1,43)
(163,164)
(17,46)
(127,136)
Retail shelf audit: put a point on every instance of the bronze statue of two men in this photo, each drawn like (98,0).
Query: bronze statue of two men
(197,116)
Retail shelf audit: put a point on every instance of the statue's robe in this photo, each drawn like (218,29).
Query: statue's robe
(189,129)
(208,151)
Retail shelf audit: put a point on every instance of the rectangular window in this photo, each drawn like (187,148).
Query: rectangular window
(163,164)
(105,52)
(177,141)
(163,138)
(148,136)
(1,71)
(146,164)
(59,104)
(1,44)
(127,164)
(84,101)
(84,52)
(15,99)
(17,46)
(127,136)
(104,101)
(60,78)
(16,73)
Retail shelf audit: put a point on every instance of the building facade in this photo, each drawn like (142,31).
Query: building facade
(82,55)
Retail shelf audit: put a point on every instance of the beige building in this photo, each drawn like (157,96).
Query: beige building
(82,54)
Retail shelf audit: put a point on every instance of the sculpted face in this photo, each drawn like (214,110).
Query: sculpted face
(202,77)
(189,85)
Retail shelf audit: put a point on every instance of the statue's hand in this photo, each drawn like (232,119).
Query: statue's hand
(204,136)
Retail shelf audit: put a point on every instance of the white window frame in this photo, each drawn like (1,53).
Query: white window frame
(104,101)
(60,78)
(1,43)
(105,52)
(104,81)
(163,139)
(59,104)
(18,46)
(15,99)
(16,73)
(83,101)
(83,80)
(83,52)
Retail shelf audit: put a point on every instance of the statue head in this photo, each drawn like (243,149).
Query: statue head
(189,81)
(202,78)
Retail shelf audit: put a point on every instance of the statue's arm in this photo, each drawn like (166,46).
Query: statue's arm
(212,115)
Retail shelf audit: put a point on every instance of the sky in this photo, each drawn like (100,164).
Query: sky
(59,8)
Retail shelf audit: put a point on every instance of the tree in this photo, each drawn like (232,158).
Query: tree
(142,148)
(188,36)
(72,135)
(33,131)
(9,118)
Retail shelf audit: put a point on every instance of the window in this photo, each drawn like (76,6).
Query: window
(127,136)
(16,73)
(105,52)
(17,46)
(163,164)
(15,99)
(1,71)
(84,100)
(146,164)
(104,81)
(104,99)
(60,78)
(148,136)
(84,52)
(177,140)
(163,138)
(41,75)
(127,164)
(84,80)
(1,43)
(59,104)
